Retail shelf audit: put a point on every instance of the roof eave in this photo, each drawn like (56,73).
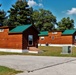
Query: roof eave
(15,32)
(42,35)
(68,34)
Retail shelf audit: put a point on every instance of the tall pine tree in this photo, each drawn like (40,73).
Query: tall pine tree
(20,13)
(2,17)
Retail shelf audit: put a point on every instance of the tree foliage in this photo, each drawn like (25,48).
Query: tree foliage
(20,13)
(2,17)
(44,19)
(66,23)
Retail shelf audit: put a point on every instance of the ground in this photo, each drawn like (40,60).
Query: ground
(37,65)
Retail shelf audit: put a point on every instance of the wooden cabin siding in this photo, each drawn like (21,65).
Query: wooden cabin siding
(11,41)
(3,38)
(56,39)
(15,41)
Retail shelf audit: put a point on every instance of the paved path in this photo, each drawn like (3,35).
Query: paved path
(37,65)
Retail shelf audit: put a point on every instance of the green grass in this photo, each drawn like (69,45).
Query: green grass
(8,71)
(50,51)
(47,51)
(10,53)
(56,51)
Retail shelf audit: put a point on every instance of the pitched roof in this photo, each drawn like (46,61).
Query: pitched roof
(68,32)
(20,29)
(43,33)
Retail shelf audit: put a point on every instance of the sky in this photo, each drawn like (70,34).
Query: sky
(59,8)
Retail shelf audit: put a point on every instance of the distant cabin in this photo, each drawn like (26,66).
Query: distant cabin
(57,38)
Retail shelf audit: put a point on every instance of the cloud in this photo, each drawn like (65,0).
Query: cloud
(40,5)
(32,3)
(72,11)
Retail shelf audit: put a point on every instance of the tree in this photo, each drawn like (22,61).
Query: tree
(20,13)
(44,19)
(2,16)
(66,23)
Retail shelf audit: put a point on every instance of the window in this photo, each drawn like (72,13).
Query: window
(42,38)
(30,39)
(54,32)
(75,37)
(52,37)
(1,30)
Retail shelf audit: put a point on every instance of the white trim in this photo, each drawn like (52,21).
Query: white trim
(17,50)
(60,45)
(56,45)
(1,30)
(54,32)
(41,44)
(42,38)
(13,50)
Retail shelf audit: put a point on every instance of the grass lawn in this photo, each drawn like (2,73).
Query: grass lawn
(47,51)
(50,51)
(8,71)
(56,51)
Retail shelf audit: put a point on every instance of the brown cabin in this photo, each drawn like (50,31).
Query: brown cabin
(18,39)
(57,38)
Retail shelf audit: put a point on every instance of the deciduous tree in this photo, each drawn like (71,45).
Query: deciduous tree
(66,23)
(44,19)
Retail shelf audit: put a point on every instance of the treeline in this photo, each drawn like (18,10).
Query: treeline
(20,14)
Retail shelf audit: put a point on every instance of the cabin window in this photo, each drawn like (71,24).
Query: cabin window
(41,38)
(75,37)
(54,32)
(1,30)
(30,39)
(52,37)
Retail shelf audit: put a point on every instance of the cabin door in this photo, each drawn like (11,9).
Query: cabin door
(30,40)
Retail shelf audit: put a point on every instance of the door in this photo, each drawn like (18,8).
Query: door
(30,40)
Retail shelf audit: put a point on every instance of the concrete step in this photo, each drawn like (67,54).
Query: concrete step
(34,50)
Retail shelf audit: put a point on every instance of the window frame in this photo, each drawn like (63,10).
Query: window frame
(42,38)
(52,37)
(1,30)
(54,32)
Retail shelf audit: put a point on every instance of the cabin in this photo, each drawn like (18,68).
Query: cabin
(57,38)
(23,38)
